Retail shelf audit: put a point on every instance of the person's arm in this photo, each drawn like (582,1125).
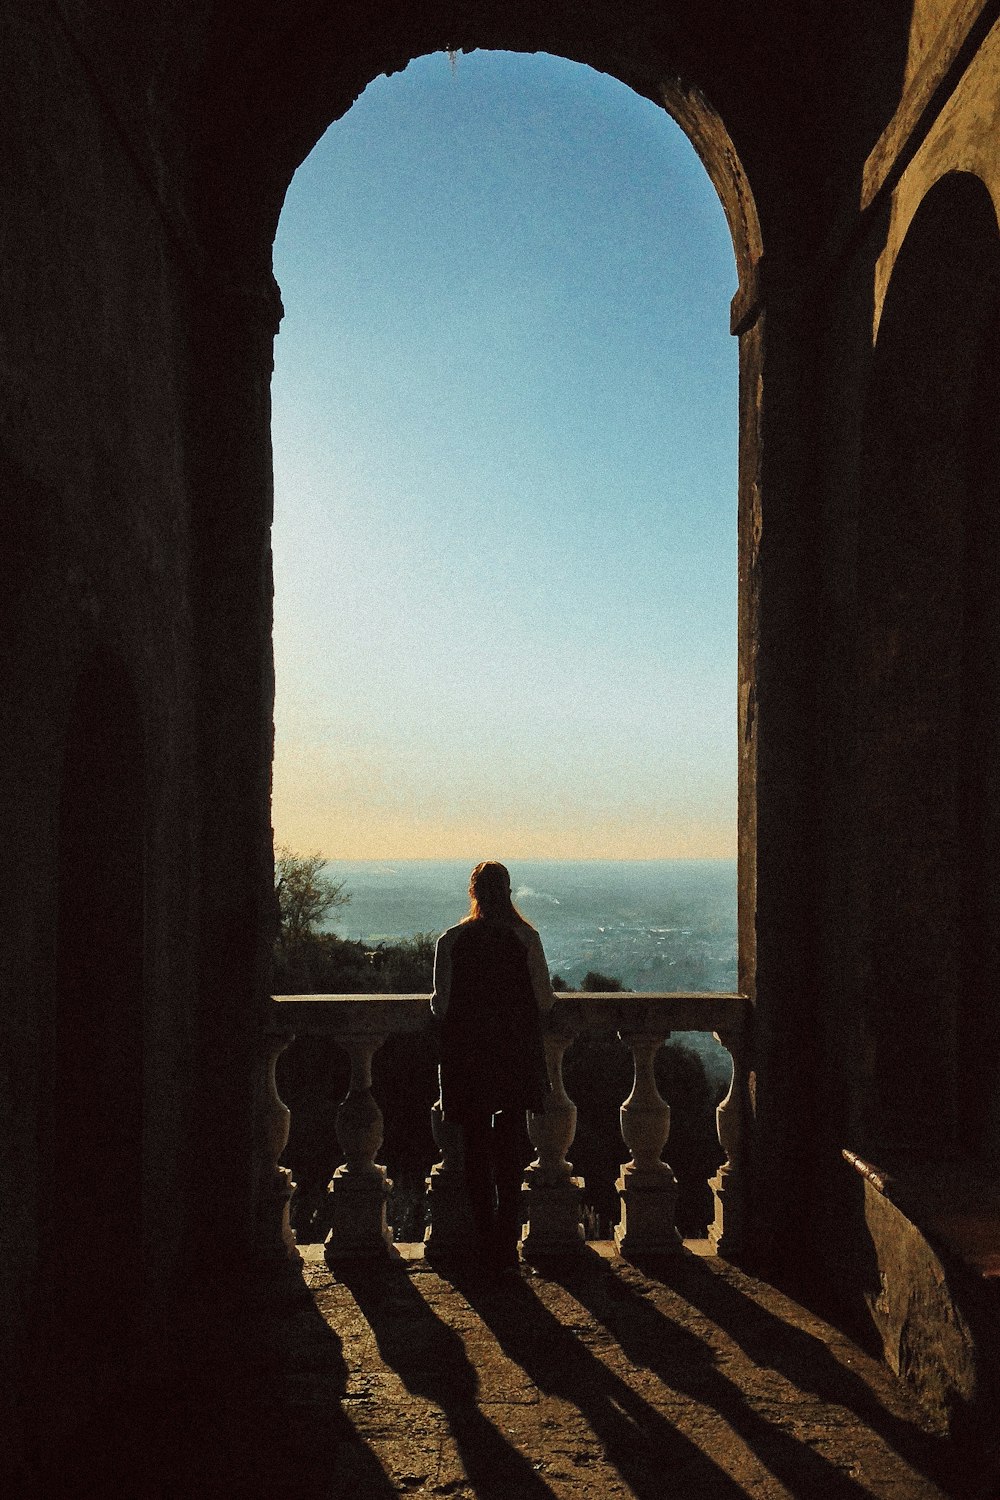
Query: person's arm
(539,971)
(442,975)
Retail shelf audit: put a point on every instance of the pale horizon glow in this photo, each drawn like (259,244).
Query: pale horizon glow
(505,429)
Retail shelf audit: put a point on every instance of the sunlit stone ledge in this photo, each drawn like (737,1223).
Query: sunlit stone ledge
(553,1195)
(329,1015)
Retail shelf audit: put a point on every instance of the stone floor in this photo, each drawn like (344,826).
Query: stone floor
(592,1378)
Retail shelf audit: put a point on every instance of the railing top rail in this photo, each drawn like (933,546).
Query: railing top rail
(320,1015)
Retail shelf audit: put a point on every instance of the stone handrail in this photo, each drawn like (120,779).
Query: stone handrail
(553,1194)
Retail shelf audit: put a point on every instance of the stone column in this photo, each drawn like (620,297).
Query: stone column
(451,1227)
(725,1232)
(275,1240)
(554,1195)
(226,447)
(359,1188)
(647,1186)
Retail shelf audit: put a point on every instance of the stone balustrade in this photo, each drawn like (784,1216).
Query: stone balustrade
(553,1194)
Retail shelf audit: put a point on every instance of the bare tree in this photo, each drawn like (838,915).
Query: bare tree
(304,895)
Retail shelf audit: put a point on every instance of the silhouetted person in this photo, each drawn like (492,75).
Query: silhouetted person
(491,986)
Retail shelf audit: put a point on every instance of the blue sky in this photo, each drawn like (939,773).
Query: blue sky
(505,432)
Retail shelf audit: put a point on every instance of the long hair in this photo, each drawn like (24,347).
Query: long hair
(489,895)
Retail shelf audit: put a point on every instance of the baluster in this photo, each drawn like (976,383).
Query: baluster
(554,1194)
(725,1232)
(275,1240)
(647,1187)
(451,1226)
(359,1188)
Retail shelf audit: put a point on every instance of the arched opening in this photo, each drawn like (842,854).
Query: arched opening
(928,721)
(92,1119)
(311,81)
(373,584)
(648,534)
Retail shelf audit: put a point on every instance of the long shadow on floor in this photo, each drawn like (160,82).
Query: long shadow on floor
(431,1360)
(651,1454)
(244,1405)
(656,1342)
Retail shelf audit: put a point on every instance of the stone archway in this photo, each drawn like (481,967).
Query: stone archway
(311,89)
(758,145)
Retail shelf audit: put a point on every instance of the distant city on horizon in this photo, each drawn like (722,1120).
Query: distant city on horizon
(652,924)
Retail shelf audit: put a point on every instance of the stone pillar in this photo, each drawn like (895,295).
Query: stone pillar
(554,1195)
(226,445)
(647,1186)
(275,1242)
(725,1232)
(359,1188)
(451,1227)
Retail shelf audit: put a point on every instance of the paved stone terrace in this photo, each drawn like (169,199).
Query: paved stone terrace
(591,1379)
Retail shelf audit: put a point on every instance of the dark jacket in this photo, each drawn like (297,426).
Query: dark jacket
(491,1050)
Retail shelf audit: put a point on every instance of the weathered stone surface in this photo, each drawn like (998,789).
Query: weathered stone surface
(936,1313)
(691,1379)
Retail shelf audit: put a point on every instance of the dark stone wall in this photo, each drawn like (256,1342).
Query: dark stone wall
(905,830)
(95,557)
(927,596)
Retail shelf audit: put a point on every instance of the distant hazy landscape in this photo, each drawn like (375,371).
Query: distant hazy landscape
(655,925)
